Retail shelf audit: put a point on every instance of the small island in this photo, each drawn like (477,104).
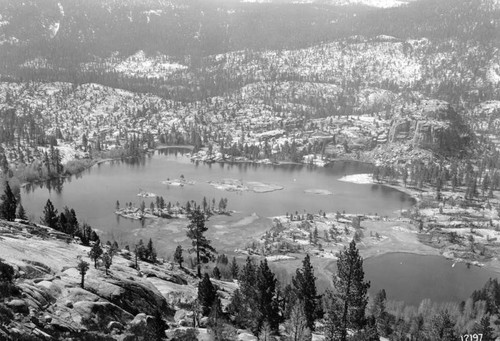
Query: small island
(234,185)
(178,182)
(145,194)
(161,209)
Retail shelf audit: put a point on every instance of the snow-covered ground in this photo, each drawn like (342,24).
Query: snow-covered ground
(358,178)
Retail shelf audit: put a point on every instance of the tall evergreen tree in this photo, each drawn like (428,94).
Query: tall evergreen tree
(234,268)
(107,261)
(178,255)
(350,294)
(9,204)
(201,245)
(296,325)
(50,215)
(21,212)
(443,328)
(244,301)
(207,294)
(151,252)
(378,311)
(267,304)
(95,253)
(304,285)
(484,328)
(82,267)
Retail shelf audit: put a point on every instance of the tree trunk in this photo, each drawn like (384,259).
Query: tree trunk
(198,261)
(83,280)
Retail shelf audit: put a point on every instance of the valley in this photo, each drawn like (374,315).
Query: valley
(286,139)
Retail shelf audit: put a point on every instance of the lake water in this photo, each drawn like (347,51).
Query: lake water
(94,193)
(413,278)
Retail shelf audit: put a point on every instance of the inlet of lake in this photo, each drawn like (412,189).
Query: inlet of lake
(94,193)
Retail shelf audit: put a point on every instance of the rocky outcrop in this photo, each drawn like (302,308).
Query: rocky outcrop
(431,125)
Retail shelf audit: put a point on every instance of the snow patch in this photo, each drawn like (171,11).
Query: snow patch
(54,28)
(358,178)
(139,65)
(493,74)
(61,9)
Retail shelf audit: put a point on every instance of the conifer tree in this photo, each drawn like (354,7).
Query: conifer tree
(207,294)
(267,305)
(151,252)
(50,215)
(234,268)
(178,255)
(216,322)
(304,285)
(378,311)
(266,333)
(158,327)
(95,253)
(21,213)
(484,328)
(244,301)
(216,273)
(443,328)
(296,325)
(8,204)
(201,245)
(82,267)
(350,292)
(107,260)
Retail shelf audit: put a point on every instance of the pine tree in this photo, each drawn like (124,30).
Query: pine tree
(201,245)
(443,328)
(244,301)
(82,267)
(95,253)
(266,333)
(380,314)
(350,291)
(216,273)
(157,327)
(151,252)
(304,285)
(216,322)
(9,204)
(21,213)
(267,305)
(178,255)
(484,328)
(107,261)
(234,268)
(50,215)
(207,294)
(296,325)
(333,318)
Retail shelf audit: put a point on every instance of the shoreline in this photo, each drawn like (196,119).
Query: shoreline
(367,251)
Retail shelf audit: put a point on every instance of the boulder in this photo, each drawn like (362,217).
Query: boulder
(204,322)
(19,306)
(139,319)
(246,336)
(136,297)
(182,314)
(98,315)
(115,325)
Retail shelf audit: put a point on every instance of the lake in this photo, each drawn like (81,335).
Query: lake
(93,195)
(412,278)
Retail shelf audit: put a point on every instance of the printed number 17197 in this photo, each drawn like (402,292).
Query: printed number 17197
(471,337)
